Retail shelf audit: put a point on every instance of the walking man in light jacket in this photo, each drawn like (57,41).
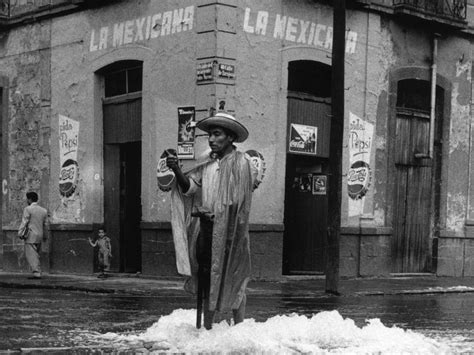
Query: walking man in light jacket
(34,230)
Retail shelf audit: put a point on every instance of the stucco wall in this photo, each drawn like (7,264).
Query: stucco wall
(25,61)
(51,69)
(168,82)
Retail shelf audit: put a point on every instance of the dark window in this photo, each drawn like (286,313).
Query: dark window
(116,83)
(416,94)
(310,77)
(122,78)
(134,79)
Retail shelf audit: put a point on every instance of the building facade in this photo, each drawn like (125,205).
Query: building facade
(93,92)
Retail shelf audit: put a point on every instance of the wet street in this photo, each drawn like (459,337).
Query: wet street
(46,318)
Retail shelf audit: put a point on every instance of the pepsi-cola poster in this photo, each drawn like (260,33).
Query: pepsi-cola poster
(303,139)
(186,118)
(68,145)
(359,174)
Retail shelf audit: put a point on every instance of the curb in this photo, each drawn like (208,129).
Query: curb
(419,292)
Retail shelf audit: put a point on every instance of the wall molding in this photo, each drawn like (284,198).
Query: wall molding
(366,231)
(253,227)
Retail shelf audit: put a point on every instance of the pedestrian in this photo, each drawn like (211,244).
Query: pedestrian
(225,183)
(104,251)
(34,229)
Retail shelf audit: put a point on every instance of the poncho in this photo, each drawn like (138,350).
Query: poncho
(228,194)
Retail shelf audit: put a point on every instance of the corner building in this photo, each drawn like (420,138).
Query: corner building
(91,93)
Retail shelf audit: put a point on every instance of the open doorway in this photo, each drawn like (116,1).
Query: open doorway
(306,195)
(122,163)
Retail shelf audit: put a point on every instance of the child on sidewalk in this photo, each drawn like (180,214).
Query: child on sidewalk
(104,251)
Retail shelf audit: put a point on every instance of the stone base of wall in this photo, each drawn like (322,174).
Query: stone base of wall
(365,251)
(70,251)
(456,252)
(266,251)
(13,256)
(158,256)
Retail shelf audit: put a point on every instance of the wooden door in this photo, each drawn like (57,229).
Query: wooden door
(413,195)
(305,212)
(122,181)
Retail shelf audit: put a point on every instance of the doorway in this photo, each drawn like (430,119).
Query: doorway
(417,177)
(122,154)
(306,195)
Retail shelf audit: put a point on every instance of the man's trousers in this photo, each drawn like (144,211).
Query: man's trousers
(32,255)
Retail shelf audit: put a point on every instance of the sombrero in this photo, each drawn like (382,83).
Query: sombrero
(227,121)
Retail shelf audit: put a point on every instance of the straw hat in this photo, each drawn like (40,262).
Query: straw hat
(226,121)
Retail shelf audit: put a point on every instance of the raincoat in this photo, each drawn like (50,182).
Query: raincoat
(225,188)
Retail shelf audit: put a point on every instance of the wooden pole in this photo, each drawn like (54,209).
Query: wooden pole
(336,142)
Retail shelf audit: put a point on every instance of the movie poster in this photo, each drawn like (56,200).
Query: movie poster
(186,118)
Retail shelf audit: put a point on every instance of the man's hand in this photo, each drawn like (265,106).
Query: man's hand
(203,213)
(172,162)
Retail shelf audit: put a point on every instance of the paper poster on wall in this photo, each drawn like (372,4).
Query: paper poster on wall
(359,174)
(186,119)
(319,184)
(303,139)
(68,145)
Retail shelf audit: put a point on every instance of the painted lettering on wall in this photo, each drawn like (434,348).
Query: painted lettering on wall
(142,29)
(294,30)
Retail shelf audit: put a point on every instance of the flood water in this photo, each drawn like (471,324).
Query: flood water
(45,318)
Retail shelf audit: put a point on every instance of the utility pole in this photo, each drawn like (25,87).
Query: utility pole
(336,140)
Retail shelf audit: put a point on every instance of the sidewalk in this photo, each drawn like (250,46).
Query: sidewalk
(289,286)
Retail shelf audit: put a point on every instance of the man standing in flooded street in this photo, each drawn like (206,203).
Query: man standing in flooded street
(225,183)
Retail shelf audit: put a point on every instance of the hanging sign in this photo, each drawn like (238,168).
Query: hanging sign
(68,145)
(186,120)
(303,139)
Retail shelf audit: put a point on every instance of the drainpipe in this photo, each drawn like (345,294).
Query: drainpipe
(433,94)
(432,101)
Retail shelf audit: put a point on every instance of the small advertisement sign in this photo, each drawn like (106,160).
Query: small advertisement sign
(226,71)
(186,138)
(319,185)
(204,72)
(303,139)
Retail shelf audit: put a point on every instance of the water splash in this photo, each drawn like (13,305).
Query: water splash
(322,333)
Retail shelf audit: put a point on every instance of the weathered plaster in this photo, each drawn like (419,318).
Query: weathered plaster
(456,213)
(460,122)
(29,125)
